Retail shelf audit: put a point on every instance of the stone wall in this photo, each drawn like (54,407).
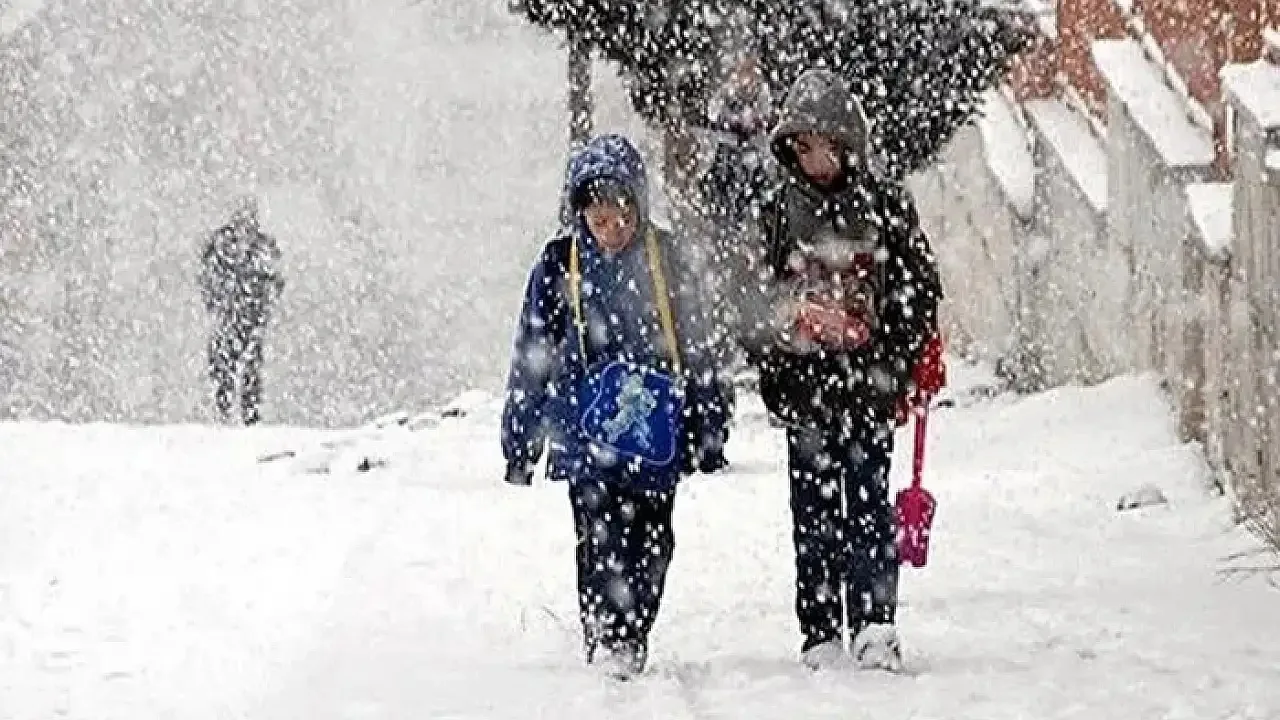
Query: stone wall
(1254,92)
(1137,256)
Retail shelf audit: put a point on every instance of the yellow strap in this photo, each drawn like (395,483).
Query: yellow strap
(575,287)
(664,300)
(659,286)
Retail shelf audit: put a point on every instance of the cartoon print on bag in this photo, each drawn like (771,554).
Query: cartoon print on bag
(635,405)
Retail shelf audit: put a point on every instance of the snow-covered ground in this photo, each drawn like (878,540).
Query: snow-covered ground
(162,572)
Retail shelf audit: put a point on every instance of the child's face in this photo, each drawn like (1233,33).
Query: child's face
(612,223)
(819,158)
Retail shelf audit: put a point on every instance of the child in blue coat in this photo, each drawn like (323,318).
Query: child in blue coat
(613,371)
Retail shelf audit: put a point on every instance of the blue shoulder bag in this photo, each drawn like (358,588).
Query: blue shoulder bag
(631,411)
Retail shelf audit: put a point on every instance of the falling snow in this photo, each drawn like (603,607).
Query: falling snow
(329,209)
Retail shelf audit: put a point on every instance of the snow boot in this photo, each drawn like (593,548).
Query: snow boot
(878,647)
(824,655)
(622,662)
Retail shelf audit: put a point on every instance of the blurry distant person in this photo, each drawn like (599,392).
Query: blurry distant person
(737,145)
(240,282)
(739,117)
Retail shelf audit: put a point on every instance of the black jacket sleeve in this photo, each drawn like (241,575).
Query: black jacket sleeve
(913,289)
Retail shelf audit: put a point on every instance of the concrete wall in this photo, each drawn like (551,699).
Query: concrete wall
(1254,92)
(978,239)
(1138,257)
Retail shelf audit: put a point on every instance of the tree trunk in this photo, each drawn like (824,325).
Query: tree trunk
(581,103)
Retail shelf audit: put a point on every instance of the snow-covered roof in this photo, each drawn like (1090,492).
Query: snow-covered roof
(15,13)
(1081,153)
(1154,106)
(1256,88)
(1004,139)
(1211,209)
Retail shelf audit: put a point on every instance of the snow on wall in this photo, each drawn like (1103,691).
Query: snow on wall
(1154,151)
(978,250)
(1256,279)
(1080,152)
(1153,105)
(1178,276)
(1009,152)
(1211,211)
(1079,293)
(1103,298)
(1256,89)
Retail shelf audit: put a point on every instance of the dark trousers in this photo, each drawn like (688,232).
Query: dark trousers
(235,355)
(625,544)
(844,531)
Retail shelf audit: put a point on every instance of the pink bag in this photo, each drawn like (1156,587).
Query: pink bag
(915,506)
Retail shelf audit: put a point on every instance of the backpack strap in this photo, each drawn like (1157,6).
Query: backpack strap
(575,289)
(664,299)
(660,290)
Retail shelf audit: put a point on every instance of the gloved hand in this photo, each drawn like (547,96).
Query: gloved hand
(519,473)
(927,379)
(831,326)
(713,463)
(706,456)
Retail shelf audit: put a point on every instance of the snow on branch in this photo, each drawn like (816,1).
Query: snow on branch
(921,68)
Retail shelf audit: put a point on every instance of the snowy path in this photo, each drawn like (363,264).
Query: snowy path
(149,573)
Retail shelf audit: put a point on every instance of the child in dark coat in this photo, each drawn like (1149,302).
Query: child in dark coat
(839,336)
(612,370)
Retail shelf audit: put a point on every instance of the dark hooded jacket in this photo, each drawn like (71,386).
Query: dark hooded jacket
(622,321)
(240,272)
(869,223)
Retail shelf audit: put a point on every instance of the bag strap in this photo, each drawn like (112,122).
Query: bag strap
(664,300)
(575,288)
(660,289)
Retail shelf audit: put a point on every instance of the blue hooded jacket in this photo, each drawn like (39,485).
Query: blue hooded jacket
(622,322)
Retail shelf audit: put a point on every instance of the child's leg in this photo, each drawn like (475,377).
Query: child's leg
(592,504)
(625,545)
(652,544)
(619,584)
(815,511)
(871,546)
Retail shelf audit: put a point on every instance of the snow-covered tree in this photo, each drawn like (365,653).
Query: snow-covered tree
(920,66)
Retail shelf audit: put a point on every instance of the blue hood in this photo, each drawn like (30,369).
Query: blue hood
(612,157)
(607,157)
